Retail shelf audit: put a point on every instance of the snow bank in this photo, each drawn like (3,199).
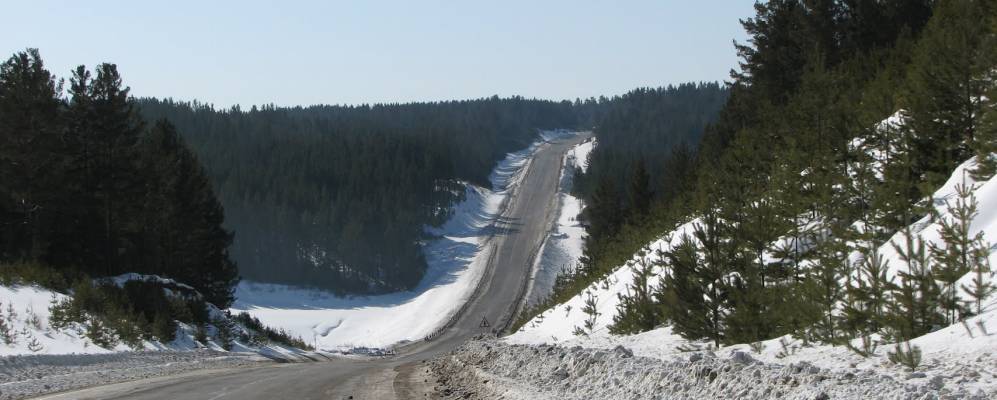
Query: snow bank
(493,369)
(562,249)
(456,261)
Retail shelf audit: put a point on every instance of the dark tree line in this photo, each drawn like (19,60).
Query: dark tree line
(86,185)
(645,141)
(338,197)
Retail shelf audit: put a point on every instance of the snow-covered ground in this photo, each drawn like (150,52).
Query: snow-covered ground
(962,353)
(456,261)
(25,312)
(563,246)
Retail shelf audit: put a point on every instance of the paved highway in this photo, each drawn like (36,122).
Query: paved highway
(518,234)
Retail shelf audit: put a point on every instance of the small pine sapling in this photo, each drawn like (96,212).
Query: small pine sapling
(757,347)
(867,349)
(787,350)
(590,309)
(32,318)
(98,333)
(34,345)
(905,355)
(961,253)
(7,334)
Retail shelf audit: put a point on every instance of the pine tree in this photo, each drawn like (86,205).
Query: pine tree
(956,258)
(184,218)
(947,82)
(915,299)
(591,310)
(681,293)
(105,125)
(640,190)
(712,275)
(985,142)
(637,311)
(31,155)
(823,287)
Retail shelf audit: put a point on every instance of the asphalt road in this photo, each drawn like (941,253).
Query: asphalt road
(518,234)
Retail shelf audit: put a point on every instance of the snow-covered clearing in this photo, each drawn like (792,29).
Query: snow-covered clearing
(962,354)
(456,261)
(564,243)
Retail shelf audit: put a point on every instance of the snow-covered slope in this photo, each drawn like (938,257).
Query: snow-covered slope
(958,352)
(30,326)
(25,313)
(558,323)
(456,261)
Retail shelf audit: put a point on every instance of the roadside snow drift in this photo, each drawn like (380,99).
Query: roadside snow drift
(456,260)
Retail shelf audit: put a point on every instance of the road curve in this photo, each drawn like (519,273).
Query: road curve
(519,231)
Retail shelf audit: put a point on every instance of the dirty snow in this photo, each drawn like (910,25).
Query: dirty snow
(488,369)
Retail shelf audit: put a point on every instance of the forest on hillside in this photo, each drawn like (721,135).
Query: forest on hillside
(338,197)
(798,172)
(89,189)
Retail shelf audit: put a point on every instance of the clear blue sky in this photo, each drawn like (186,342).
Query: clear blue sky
(337,52)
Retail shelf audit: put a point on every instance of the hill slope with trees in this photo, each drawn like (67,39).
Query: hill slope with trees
(338,197)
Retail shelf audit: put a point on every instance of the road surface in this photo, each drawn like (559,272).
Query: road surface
(519,231)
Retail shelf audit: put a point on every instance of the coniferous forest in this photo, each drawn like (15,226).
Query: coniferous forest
(334,197)
(91,188)
(338,197)
(798,172)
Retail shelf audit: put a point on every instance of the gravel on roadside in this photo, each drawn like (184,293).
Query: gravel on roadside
(488,369)
(34,375)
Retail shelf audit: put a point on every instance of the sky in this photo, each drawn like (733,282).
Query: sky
(372,51)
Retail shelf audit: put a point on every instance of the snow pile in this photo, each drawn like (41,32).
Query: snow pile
(456,259)
(563,246)
(493,369)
